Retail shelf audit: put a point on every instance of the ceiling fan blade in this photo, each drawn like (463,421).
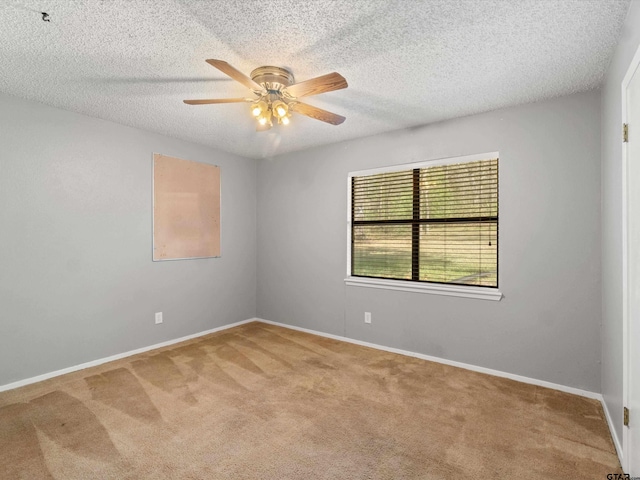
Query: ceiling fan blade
(237,75)
(325,83)
(317,113)
(216,100)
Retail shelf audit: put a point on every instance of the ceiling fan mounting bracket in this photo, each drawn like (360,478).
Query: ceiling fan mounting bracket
(272,78)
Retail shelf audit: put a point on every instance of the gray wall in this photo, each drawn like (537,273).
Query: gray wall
(78,284)
(547,326)
(76,278)
(612,216)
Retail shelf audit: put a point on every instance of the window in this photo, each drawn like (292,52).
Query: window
(433,222)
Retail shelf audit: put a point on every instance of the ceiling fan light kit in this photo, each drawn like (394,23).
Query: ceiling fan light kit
(276,94)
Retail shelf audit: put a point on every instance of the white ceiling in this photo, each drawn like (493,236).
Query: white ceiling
(408,62)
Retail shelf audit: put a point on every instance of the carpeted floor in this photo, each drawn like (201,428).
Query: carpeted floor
(264,402)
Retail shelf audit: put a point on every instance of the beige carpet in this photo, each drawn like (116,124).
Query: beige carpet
(263,402)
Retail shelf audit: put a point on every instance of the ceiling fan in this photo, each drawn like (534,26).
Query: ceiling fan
(276,95)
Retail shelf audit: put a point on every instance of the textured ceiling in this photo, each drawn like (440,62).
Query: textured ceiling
(408,62)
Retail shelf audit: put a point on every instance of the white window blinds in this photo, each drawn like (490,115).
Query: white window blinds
(434,224)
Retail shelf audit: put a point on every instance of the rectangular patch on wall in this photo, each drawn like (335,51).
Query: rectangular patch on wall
(186,209)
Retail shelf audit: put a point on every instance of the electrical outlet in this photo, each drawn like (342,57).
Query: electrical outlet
(158,317)
(367,317)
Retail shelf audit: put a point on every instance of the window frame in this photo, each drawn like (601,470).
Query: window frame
(456,290)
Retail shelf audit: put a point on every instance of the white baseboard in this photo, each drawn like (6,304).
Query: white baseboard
(488,371)
(466,366)
(614,435)
(93,363)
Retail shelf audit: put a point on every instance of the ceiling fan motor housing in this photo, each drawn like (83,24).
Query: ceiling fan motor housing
(274,79)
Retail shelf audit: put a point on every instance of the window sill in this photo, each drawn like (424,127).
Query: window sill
(431,288)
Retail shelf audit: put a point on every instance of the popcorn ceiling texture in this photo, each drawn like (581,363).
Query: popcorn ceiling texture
(408,63)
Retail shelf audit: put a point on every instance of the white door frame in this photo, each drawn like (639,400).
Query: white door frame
(633,66)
